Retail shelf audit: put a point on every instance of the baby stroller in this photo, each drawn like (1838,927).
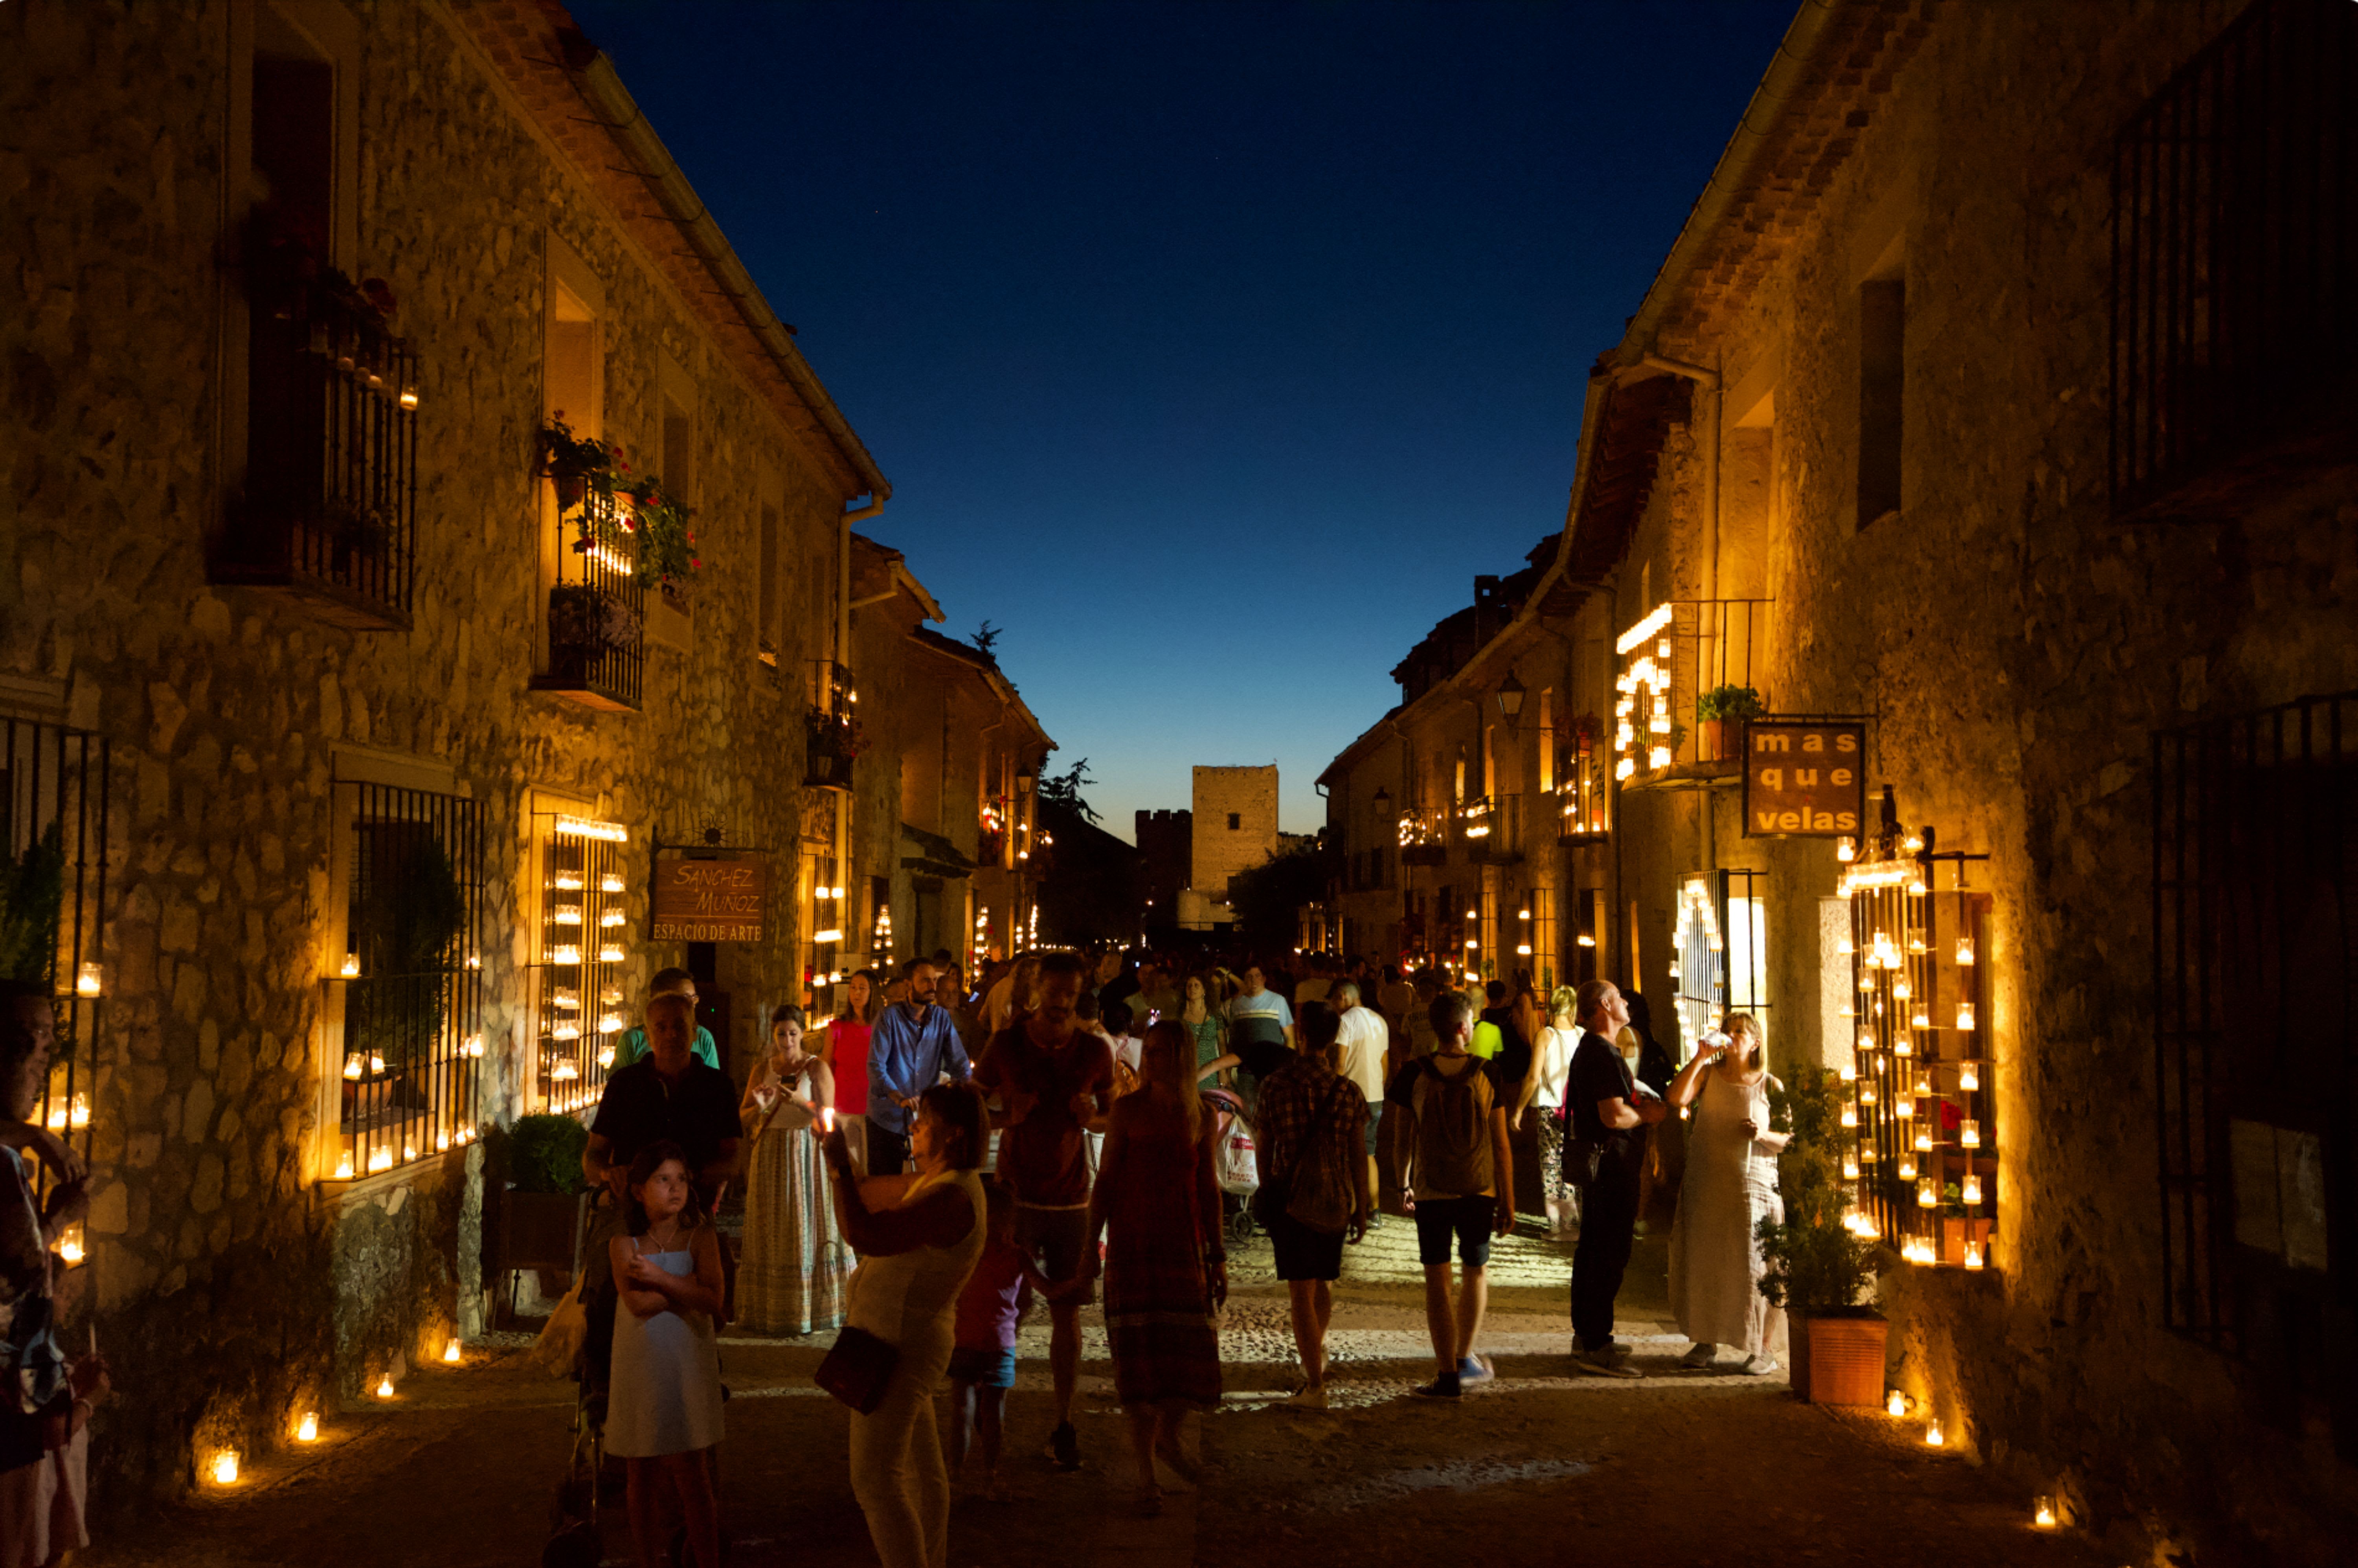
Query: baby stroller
(1239,1171)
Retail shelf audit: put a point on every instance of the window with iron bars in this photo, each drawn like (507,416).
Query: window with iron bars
(53,817)
(2234,235)
(581,944)
(411,980)
(1722,957)
(2256,969)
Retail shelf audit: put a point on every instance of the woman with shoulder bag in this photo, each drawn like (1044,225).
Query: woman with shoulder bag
(1730,1187)
(792,1277)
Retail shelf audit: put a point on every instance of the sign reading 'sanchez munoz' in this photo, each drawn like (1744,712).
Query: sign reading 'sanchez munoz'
(1803,778)
(714,900)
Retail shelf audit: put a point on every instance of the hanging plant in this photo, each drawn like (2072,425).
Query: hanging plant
(661,524)
(577,464)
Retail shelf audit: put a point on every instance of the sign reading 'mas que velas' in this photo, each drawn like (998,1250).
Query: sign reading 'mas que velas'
(1803,778)
(721,898)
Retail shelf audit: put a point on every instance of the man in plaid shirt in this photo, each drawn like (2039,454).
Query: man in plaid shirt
(1311,1117)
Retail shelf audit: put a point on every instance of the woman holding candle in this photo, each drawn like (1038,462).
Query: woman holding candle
(918,1237)
(792,1277)
(1730,1187)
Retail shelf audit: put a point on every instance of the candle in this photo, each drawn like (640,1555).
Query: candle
(1920,1018)
(2042,1515)
(352,1067)
(1867,1094)
(1904,1105)
(825,1119)
(1907,1167)
(1969,1133)
(1972,1255)
(1971,1191)
(1969,1074)
(1899,992)
(1928,1193)
(351,969)
(1964,1015)
(1850,1167)
(1964,950)
(382,1159)
(87,980)
(1850,1116)
(1845,851)
(451,1355)
(344,1166)
(1895,1402)
(1923,1140)
(611,883)
(307,1429)
(225,1467)
(612,953)
(1850,1072)
(385,1386)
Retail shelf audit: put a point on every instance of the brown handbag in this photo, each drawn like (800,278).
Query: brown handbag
(858,1369)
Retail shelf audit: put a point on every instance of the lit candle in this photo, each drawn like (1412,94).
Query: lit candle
(382,1159)
(70,1245)
(825,1119)
(1964,950)
(1902,1045)
(1895,1403)
(451,1355)
(1845,851)
(1845,945)
(87,980)
(344,1166)
(606,1056)
(1865,1041)
(1964,1015)
(611,883)
(474,960)
(567,881)
(385,1386)
(1850,1116)
(1969,1133)
(611,953)
(1900,991)
(351,966)
(353,1068)
(1972,1255)
(473,1045)
(1850,1072)
(225,1467)
(1924,1140)
(2042,1516)
(1920,1018)
(1904,1105)
(1928,1193)
(1906,1168)
(1969,1074)
(1866,1154)
(1867,1094)
(1971,1193)
(442,1143)
(1850,1167)
(565,956)
(307,1429)
(610,918)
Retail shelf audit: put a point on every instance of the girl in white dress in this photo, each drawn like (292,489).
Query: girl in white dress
(1730,1186)
(664,1410)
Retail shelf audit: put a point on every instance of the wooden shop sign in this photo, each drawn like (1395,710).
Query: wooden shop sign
(1803,778)
(721,898)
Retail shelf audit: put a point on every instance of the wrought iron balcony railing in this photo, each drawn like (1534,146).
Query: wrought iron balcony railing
(596,609)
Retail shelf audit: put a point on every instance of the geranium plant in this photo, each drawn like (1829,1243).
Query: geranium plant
(661,524)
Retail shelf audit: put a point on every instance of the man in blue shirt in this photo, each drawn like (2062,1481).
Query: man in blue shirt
(913,1044)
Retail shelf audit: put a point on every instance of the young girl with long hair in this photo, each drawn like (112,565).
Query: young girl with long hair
(664,1408)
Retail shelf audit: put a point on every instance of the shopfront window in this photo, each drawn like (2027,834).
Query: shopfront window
(1722,962)
(581,941)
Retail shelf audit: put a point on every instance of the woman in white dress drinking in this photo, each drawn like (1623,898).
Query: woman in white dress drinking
(1729,1188)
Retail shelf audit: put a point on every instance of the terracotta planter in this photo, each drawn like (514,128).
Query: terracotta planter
(1954,1235)
(1714,747)
(1839,1360)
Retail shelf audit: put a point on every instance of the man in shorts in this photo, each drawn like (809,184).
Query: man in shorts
(1458,1173)
(1311,1122)
(1053,1079)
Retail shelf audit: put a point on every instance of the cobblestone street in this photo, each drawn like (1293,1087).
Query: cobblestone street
(1544,1466)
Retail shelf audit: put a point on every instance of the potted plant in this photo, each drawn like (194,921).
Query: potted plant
(535,1166)
(1714,710)
(833,740)
(1817,1270)
(575,464)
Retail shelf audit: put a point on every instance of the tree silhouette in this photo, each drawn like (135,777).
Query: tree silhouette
(986,637)
(1064,790)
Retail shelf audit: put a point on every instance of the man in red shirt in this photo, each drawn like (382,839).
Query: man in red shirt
(1051,1080)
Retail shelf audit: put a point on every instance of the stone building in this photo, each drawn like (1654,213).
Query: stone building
(1166,847)
(1988,429)
(1233,827)
(387,770)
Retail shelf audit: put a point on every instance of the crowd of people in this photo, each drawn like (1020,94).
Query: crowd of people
(920,1169)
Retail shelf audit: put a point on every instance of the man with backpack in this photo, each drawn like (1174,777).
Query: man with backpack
(1313,1191)
(1459,1177)
(1610,1111)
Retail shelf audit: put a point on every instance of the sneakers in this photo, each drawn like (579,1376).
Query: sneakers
(1065,1447)
(1604,1363)
(1309,1396)
(1445,1387)
(1699,1357)
(1757,1365)
(1476,1370)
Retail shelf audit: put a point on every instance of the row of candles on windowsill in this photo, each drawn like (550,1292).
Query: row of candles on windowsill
(2045,1512)
(381,1158)
(224,1468)
(350,969)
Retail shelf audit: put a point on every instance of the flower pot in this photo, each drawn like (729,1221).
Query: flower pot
(1956,1234)
(1715,731)
(570,488)
(1839,1360)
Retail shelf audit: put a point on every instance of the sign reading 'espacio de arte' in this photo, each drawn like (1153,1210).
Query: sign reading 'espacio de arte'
(1804,778)
(711,900)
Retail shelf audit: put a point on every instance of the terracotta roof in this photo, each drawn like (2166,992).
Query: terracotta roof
(542,56)
(1633,420)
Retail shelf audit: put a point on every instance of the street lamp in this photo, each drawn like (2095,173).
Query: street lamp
(1024,781)
(1510,697)
(1383,802)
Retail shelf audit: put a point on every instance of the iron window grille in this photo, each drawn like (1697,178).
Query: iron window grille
(597,606)
(54,803)
(2256,997)
(1722,956)
(1704,645)
(581,941)
(2233,240)
(412,978)
(329,509)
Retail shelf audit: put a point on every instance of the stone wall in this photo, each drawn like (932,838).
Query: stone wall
(1221,852)
(2018,647)
(232,1284)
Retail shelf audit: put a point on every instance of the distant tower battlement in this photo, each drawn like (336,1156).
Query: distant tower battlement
(1236,825)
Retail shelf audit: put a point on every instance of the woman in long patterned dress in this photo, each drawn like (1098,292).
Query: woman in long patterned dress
(1157,1203)
(795,1265)
(1730,1187)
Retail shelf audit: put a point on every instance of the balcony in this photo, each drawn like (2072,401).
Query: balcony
(1490,828)
(329,515)
(831,741)
(2233,323)
(1584,799)
(1702,647)
(596,609)
(1424,835)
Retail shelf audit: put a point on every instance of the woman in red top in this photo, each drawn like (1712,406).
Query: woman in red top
(846,1057)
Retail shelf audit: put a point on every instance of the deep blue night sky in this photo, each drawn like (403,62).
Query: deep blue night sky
(1211,350)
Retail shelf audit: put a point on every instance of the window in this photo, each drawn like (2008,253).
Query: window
(411,982)
(1882,328)
(1236,821)
(766,619)
(1720,944)
(1547,741)
(580,946)
(1535,948)
(594,630)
